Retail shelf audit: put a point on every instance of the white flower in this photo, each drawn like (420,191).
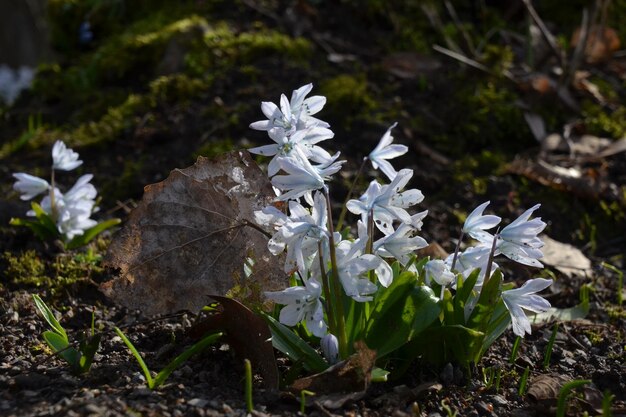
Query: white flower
(330,348)
(29,185)
(303,140)
(302,303)
(72,210)
(385,150)
(302,178)
(519,242)
(352,265)
(399,245)
(300,234)
(387,202)
(524,298)
(63,158)
(292,115)
(437,270)
(476,223)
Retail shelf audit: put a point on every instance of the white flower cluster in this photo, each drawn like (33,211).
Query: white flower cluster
(71,211)
(299,168)
(518,241)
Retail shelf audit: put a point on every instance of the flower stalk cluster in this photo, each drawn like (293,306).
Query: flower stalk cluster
(332,271)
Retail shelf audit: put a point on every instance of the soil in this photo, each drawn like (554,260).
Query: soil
(454,176)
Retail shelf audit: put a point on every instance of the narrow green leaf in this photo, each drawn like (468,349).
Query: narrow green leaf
(41,231)
(500,320)
(137,356)
(565,392)
(50,318)
(88,350)
(561,314)
(61,347)
(464,289)
(400,315)
(44,218)
(196,348)
(90,234)
(294,347)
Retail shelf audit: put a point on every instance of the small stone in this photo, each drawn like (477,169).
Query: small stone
(484,408)
(197,402)
(499,400)
(447,374)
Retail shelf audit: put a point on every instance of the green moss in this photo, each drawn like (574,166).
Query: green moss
(26,268)
(601,123)
(347,96)
(475,170)
(62,272)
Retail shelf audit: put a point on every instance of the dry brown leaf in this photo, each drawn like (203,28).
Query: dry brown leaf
(410,65)
(600,45)
(566,258)
(246,333)
(350,376)
(545,388)
(190,236)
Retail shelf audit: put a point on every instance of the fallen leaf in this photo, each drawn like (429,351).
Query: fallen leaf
(601,43)
(566,258)
(246,333)
(350,376)
(190,236)
(408,65)
(545,388)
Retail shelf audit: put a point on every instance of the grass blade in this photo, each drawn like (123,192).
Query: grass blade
(198,347)
(137,356)
(50,318)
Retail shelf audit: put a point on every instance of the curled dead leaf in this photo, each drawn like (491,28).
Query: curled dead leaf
(190,236)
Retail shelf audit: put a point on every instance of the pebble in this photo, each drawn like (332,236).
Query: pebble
(484,408)
(499,400)
(198,402)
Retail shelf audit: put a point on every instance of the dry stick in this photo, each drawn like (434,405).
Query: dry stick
(340,317)
(548,37)
(342,215)
(472,63)
(459,26)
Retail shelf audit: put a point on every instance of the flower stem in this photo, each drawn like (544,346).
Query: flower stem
(339,313)
(491,256)
(53,206)
(344,209)
(456,251)
(330,310)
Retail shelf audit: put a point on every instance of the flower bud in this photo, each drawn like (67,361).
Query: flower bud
(330,348)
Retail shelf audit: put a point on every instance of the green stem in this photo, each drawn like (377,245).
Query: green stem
(456,250)
(344,209)
(53,206)
(326,288)
(337,290)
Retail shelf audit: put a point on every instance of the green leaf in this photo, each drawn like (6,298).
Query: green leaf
(196,348)
(88,350)
(401,312)
(483,311)
(379,375)
(90,234)
(137,356)
(40,230)
(500,320)
(44,218)
(294,347)
(50,318)
(465,288)
(61,347)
